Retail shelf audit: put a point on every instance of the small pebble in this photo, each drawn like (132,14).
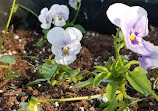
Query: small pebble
(20,40)
(39,85)
(23,104)
(56,104)
(16,37)
(70,87)
(82,108)
(14,52)
(152,79)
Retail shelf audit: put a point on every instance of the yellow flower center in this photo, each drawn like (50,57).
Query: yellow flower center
(132,37)
(64,50)
(60,17)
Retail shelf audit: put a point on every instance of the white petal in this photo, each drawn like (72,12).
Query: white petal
(56,50)
(116,12)
(60,9)
(44,10)
(65,11)
(45,26)
(65,60)
(56,35)
(74,33)
(59,23)
(41,17)
(75,47)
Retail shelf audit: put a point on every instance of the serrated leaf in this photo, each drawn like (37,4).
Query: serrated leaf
(100,77)
(35,82)
(138,80)
(128,65)
(8,59)
(85,83)
(79,27)
(12,75)
(111,90)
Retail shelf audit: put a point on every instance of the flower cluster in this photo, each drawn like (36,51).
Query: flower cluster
(58,15)
(65,44)
(133,23)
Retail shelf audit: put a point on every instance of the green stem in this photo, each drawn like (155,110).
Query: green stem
(6,29)
(136,101)
(76,13)
(71,99)
(124,106)
(27,9)
(116,48)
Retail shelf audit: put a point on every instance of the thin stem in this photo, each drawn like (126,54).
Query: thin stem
(27,9)
(71,99)
(76,13)
(124,106)
(136,101)
(6,29)
(116,49)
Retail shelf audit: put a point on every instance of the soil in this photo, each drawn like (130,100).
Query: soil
(96,49)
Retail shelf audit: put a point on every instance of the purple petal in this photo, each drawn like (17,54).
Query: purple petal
(150,61)
(143,48)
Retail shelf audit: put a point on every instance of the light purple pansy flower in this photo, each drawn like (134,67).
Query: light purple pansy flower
(133,22)
(60,14)
(45,18)
(150,61)
(65,44)
(74,3)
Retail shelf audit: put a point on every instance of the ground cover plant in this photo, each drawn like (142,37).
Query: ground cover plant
(63,81)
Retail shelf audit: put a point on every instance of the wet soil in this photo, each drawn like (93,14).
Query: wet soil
(96,49)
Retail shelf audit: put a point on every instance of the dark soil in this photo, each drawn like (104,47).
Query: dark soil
(96,49)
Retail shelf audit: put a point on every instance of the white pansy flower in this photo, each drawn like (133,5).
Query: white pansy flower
(65,44)
(74,3)
(60,14)
(45,18)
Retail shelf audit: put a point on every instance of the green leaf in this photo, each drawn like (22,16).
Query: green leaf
(40,43)
(111,90)
(103,105)
(16,6)
(12,75)
(100,77)
(102,68)
(138,80)
(45,31)
(128,65)
(112,106)
(8,59)
(79,27)
(71,74)
(54,82)
(35,82)
(48,72)
(85,83)
(49,61)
